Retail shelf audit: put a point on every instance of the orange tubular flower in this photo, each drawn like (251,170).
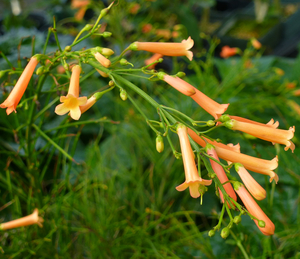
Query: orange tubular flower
(228,52)
(25,221)
(253,187)
(218,169)
(255,210)
(16,94)
(192,178)
(213,108)
(254,164)
(166,48)
(90,102)
(265,133)
(152,59)
(72,102)
(179,84)
(79,3)
(202,141)
(270,124)
(102,60)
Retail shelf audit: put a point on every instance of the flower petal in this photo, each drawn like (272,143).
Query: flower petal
(61,109)
(75,113)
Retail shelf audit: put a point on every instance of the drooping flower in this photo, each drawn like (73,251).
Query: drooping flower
(16,94)
(270,124)
(179,84)
(25,221)
(152,59)
(253,186)
(255,210)
(166,48)
(219,171)
(212,107)
(102,60)
(202,141)
(233,155)
(90,102)
(72,102)
(192,178)
(266,133)
(228,52)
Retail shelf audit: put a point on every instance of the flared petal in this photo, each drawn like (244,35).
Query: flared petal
(75,113)
(61,109)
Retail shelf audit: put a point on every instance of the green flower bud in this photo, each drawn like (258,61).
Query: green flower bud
(88,27)
(210,123)
(123,62)
(225,232)
(107,52)
(40,70)
(159,144)
(224,117)
(237,219)
(123,95)
(68,48)
(161,75)
(211,233)
(106,34)
(261,223)
(111,83)
(180,74)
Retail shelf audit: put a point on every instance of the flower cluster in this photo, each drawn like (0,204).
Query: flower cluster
(75,105)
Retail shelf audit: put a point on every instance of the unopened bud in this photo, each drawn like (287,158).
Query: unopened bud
(87,27)
(40,70)
(180,74)
(261,223)
(123,95)
(107,52)
(224,117)
(225,232)
(210,123)
(237,219)
(68,48)
(211,233)
(66,66)
(111,83)
(159,144)
(161,75)
(123,62)
(106,34)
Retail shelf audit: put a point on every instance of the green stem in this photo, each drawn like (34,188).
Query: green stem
(53,143)
(47,40)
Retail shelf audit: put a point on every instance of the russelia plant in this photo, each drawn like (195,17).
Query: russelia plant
(197,148)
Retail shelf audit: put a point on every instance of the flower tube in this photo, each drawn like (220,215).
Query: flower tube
(179,84)
(231,154)
(218,169)
(166,48)
(102,60)
(266,133)
(72,102)
(192,178)
(152,59)
(16,94)
(270,124)
(255,210)
(228,52)
(212,107)
(253,187)
(25,221)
